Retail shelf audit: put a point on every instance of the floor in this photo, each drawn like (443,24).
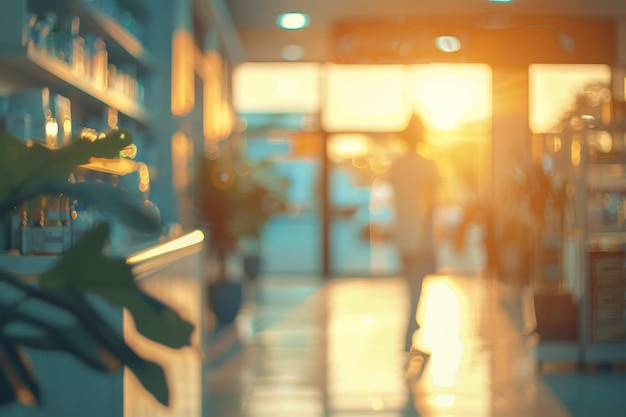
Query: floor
(306,347)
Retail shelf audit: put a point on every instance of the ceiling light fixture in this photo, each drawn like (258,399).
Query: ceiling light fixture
(448,43)
(292,21)
(292,52)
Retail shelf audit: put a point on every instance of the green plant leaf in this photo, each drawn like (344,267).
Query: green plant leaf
(39,334)
(25,166)
(90,338)
(85,269)
(17,381)
(152,377)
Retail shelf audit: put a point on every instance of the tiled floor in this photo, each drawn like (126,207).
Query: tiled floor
(305,347)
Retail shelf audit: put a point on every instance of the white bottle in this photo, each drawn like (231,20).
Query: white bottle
(53,229)
(38,224)
(26,231)
(82,223)
(66,222)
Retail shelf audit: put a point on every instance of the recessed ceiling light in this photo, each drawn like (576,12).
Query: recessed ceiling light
(292,21)
(448,43)
(292,52)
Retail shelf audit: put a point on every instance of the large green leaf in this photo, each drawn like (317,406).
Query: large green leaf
(28,170)
(85,269)
(152,377)
(150,374)
(17,381)
(24,166)
(90,339)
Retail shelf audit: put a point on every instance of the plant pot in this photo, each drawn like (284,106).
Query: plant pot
(556,316)
(251,266)
(225,300)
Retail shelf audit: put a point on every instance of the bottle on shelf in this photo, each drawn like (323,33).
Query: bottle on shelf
(66,222)
(82,221)
(38,225)
(99,61)
(53,229)
(14,229)
(25,230)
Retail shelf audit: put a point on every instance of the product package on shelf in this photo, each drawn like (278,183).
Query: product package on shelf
(38,114)
(608,296)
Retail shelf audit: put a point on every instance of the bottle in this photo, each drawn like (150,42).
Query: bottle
(53,229)
(66,222)
(14,228)
(100,64)
(77,47)
(82,222)
(26,230)
(38,225)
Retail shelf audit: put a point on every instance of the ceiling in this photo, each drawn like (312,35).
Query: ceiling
(262,41)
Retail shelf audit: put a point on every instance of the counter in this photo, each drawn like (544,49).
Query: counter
(170,271)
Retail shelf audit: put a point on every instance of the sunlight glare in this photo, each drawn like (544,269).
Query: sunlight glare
(276,87)
(553,87)
(451,94)
(365,98)
(347,146)
(443,308)
(367,320)
(444,400)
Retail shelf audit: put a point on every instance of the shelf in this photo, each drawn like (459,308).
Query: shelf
(606,182)
(605,352)
(26,265)
(606,241)
(122,46)
(144,255)
(31,68)
(556,351)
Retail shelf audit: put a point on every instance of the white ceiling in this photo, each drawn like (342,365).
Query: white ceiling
(263,41)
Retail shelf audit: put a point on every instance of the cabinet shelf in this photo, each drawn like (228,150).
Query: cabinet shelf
(605,182)
(606,240)
(595,238)
(31,68)
(606,352)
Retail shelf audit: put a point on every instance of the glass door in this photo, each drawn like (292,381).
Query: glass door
(280,152)
(365,109)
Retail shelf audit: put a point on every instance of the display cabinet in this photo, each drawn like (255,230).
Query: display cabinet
(85,50)
(602,188)
(589,157)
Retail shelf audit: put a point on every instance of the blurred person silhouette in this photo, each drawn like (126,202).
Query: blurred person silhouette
(415,181)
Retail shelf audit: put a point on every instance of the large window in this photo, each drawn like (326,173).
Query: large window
(359,107)
(553,89)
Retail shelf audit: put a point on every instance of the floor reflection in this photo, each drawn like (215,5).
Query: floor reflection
(335,348)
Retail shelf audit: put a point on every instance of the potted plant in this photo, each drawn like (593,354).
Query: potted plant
(260,197)
(235,204)
(530,209)
(84,271)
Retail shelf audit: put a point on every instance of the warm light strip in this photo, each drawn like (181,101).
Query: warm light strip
(183,66)
(191,239)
